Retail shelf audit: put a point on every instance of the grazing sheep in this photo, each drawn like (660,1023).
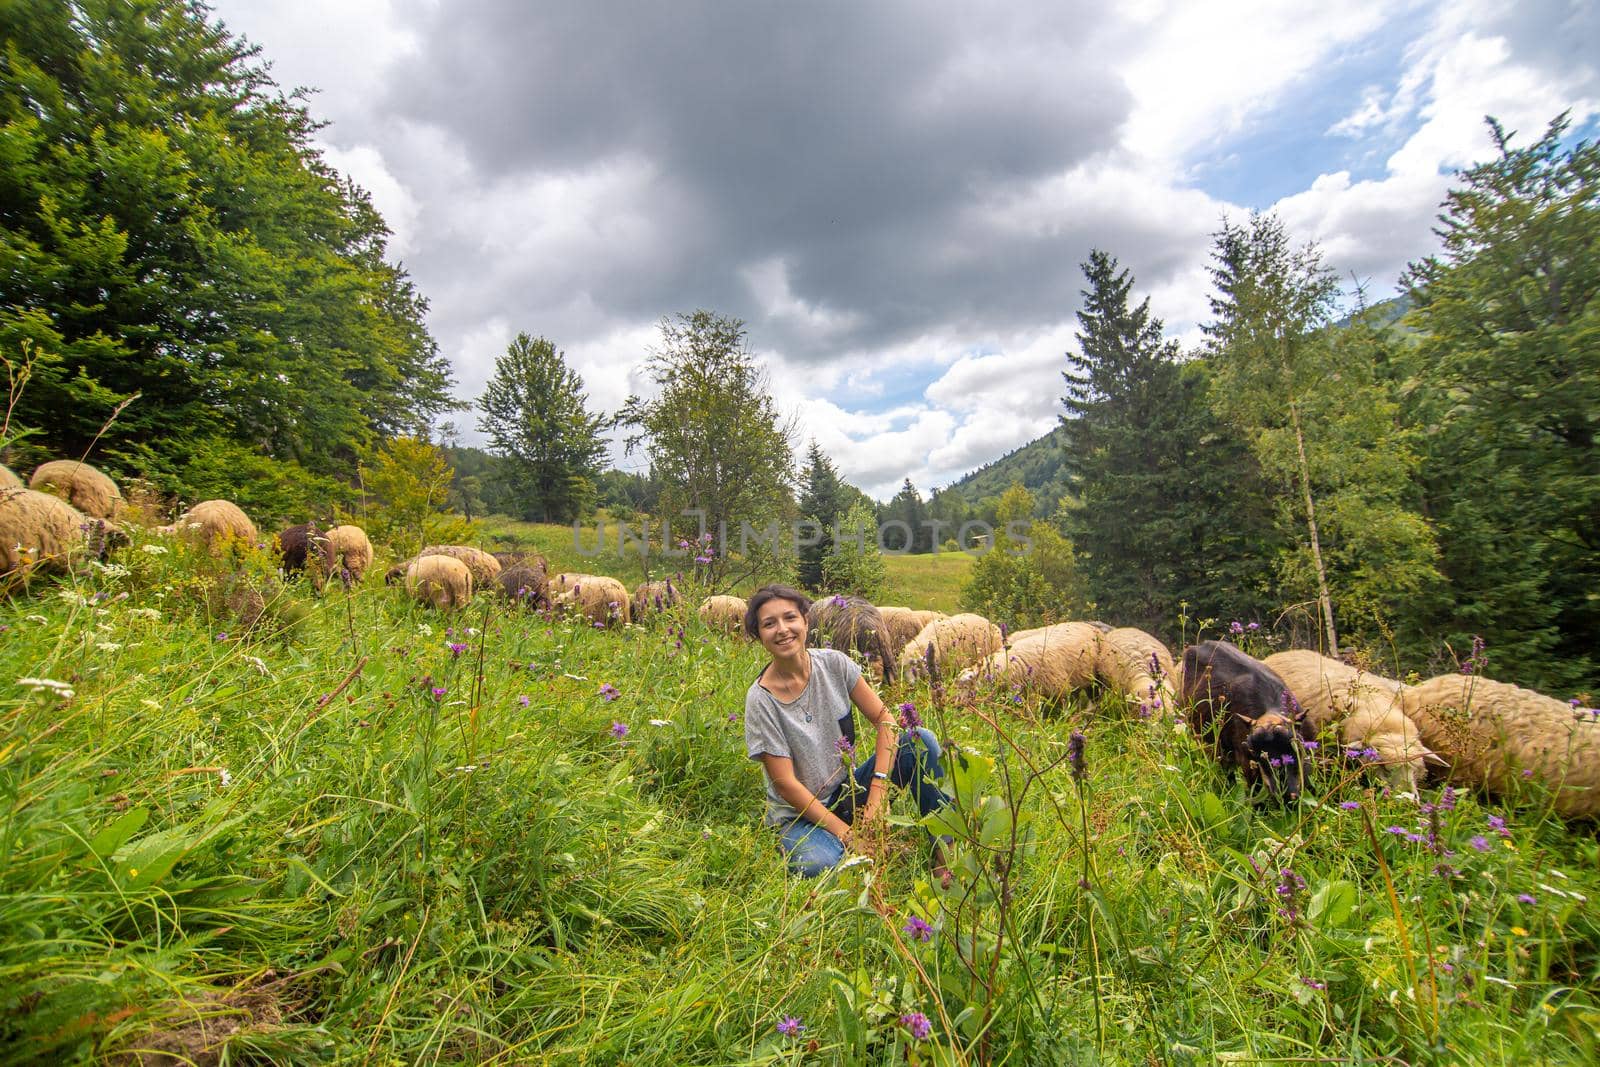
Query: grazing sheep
(1133,663)
(1364,708)
(958,641)
(1245,714)
(850,624)
(345,548)
(653,597)
(485,568)
(9,480)
(524,580)
(598,598)
(213,522)
(723,613)
(900,625)
(41,532)
(443,581)
(1052,661)
(294,545)
(1495,734)
(89,490)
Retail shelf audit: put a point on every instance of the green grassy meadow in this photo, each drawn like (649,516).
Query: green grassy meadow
(360,831)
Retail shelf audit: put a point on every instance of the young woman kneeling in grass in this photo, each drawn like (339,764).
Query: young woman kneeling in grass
(798,722)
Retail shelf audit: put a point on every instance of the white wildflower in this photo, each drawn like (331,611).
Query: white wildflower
(255,661)
(855,860)
(472,631)
(60,689)
(110,570)
(424,629)
(109,646)
(660,722)
(72,596)
(467,768)
(226,778)
(145,613)
(575,677)
(153,705)
(153,550)
(35,618)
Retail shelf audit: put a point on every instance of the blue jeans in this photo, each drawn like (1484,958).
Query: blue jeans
(811,849)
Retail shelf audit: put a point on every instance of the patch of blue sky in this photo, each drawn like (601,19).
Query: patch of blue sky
(1283,150)
(889,388)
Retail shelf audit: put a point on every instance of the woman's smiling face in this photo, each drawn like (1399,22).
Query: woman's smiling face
(782,628)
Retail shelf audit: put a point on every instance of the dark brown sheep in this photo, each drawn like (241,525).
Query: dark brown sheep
(852,624)
(1242,710)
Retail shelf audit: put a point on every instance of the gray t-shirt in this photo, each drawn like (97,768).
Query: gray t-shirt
(806,730)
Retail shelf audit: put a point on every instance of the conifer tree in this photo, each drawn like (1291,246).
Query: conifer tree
(821,502)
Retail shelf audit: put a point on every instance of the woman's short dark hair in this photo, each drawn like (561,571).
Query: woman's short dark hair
(768,593)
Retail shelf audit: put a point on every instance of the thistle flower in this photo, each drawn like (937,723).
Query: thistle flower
(1479,843)
(1075,755)
(918,1025)
(438,692)
(608,692)
(791,1026)
(918,930)
(456,648)
(619,730)
(1350,805)
(909,719)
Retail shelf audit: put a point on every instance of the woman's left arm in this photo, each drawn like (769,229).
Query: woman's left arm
(864,697)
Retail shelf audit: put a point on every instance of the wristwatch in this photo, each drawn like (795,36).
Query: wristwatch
(881,774)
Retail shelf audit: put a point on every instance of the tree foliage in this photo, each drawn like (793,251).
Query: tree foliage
(1508,400)
(167,230)
(713,435)
(855,566)
(1026,580)
(1322,424)
(822,501)
(535,416)
(1166,508)
(406,484)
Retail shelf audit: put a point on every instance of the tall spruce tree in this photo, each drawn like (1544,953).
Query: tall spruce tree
(535,416)
(168,229)
(822,501)
(1509,403)
(907,507)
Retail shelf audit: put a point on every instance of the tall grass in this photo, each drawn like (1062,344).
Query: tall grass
(361,831)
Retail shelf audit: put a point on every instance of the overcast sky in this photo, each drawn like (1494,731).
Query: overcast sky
(895,197)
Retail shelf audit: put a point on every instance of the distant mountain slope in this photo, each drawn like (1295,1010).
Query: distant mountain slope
(1037,465)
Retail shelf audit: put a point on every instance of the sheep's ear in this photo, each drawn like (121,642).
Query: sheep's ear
(1434,759)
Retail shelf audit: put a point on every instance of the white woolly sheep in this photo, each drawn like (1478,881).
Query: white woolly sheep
(443,581)
(1129,662)
(39,532)
(596,597)
(1494,734)
(345,548)
(958,641)
(1365,710)
(900,625)
(86,488)
(1050,660)
(724,613)
(650,598)
(9,480)
(213,522)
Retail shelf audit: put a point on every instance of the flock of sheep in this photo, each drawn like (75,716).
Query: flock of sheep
(1480,733)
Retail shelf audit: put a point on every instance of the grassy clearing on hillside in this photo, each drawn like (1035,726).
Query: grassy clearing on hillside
(388,835)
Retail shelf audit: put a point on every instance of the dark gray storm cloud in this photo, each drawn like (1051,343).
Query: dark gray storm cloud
(848,140)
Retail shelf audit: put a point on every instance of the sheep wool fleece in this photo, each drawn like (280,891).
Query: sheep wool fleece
(806,730)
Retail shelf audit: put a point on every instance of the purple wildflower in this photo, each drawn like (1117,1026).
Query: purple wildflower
(619,730)
(1253,626)
(1350,805)
(844,747)
(909,719)
(1075,755)
(608,692)
(1398,831)
(1310,746)
(523,700)
(223,636)
(1479,843)
(1527,898)
(1236,627)
(1312,983)
(456,648)
(438,692)
(918,1024)
(790,1026)
(733,716)
(917,929)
